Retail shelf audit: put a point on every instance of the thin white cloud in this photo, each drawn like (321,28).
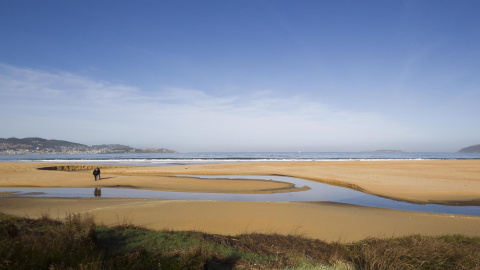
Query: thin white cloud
(23,84)
(68,106)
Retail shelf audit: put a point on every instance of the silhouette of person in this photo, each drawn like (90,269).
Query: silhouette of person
(98,173)
(97,192)
(95,173)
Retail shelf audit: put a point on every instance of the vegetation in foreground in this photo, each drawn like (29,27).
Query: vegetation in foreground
(78,243)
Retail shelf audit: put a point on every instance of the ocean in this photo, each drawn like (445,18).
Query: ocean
(159,159)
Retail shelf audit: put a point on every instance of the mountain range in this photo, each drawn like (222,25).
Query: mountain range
(37,145)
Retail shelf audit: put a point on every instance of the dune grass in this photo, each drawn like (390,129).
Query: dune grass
(78,243)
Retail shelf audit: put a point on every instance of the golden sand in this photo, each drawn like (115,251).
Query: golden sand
(419,181)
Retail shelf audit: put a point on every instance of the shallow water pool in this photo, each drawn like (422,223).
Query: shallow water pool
(318,193)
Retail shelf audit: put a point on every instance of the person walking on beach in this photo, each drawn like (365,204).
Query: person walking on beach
(98,173)
(95,173)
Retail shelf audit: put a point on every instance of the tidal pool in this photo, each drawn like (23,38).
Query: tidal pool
(318,193)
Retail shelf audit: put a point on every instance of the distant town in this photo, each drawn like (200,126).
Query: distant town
(25,146)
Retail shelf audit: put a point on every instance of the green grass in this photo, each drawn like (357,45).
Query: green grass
(78,243)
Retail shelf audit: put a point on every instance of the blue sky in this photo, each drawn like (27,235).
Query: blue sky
(243,75)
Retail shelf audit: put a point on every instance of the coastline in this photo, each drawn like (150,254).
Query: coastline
(423,181)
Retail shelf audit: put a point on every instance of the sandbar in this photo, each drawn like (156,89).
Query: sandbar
(38,175)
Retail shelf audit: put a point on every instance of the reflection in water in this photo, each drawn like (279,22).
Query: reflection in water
(319,192)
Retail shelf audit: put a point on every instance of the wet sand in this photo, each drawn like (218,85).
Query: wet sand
(421,181)
(80,176)
(426,181)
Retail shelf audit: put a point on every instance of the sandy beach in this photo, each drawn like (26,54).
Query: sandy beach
(443,181)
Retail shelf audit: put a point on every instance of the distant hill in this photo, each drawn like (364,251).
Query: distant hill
(114,147)
(38,145)
(471,149)
(43,146)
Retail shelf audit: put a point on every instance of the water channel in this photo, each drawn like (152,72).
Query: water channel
(318,193)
